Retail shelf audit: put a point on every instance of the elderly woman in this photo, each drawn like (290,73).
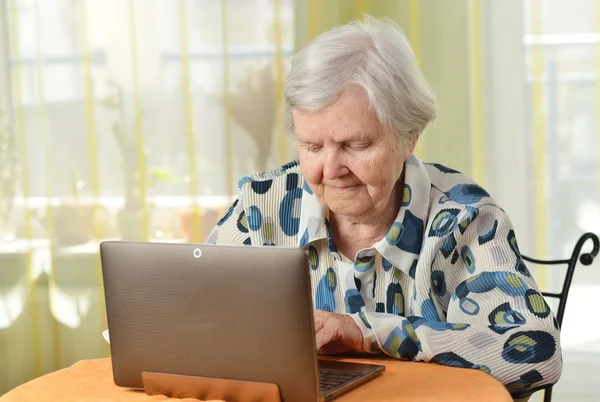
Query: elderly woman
(410,259)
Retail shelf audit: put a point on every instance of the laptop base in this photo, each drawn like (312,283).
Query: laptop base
(337,378)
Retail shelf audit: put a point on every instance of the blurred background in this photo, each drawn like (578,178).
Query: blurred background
(133,119)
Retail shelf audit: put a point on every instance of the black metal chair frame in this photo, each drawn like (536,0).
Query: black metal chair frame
(576,256)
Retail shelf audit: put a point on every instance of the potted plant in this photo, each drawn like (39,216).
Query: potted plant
(129,219)
(253,108)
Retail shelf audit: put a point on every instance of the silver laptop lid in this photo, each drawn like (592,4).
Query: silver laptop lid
(232,312)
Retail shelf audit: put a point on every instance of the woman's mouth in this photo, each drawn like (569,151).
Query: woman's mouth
(343,188)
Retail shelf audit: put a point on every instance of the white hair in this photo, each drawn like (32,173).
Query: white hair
(373,55)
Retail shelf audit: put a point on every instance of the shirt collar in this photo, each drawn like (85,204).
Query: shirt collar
(402,244)
(313,218)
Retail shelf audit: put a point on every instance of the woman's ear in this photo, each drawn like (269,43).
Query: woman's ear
(413,139)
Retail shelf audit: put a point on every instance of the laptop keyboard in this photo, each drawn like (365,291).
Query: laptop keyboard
(330,379)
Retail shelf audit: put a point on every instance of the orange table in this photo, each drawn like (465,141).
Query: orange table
(91,380)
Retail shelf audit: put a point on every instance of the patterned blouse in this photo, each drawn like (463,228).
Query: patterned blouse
(446,284)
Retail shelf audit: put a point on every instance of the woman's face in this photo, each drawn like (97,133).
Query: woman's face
(350,162)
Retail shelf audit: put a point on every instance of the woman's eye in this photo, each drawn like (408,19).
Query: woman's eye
(359,146)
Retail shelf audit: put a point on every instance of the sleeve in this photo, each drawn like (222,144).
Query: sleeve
(229,229)
(496,321)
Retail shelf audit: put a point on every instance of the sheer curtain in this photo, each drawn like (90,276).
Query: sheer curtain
(121,120)
(134,119)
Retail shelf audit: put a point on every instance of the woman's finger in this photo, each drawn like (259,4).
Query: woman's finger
(320,318)
(323,337)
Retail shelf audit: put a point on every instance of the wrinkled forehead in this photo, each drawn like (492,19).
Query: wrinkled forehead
(349,118)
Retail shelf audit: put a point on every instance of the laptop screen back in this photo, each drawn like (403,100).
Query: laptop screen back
(216,311)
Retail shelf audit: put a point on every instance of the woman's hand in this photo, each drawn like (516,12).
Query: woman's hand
(337,333)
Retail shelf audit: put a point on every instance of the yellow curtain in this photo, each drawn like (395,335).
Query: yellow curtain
(114,127)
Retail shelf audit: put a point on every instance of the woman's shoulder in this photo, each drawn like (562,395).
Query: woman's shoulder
(270,175)
(455,202)
(272,184)
(454,191)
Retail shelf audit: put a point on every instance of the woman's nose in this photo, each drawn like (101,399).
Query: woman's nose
(334,165)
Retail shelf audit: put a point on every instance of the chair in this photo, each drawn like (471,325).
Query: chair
(576,256)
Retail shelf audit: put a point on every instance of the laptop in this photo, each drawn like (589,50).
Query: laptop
(233,312)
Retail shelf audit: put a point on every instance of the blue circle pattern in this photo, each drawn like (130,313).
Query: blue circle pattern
(438,282)
(394,233)
(520,266)
(242,222)
(365,263)
(254,218)
(411,237)
(524,383)
(406,195)
(403,343)
(536,304)
(394,299)
(489,236)
(262,186)
(429,311)
(508,282)
(444,222)
(454,360)
(290,223)
(529,347)
(330,242)
(468,258)
(473,213)
(313,258)
(505,315)
(386,264)
(354,301)
(413,269)
(291,181)
(512,241)
(465,194)
(469,306)
(324,297)
(448,246)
